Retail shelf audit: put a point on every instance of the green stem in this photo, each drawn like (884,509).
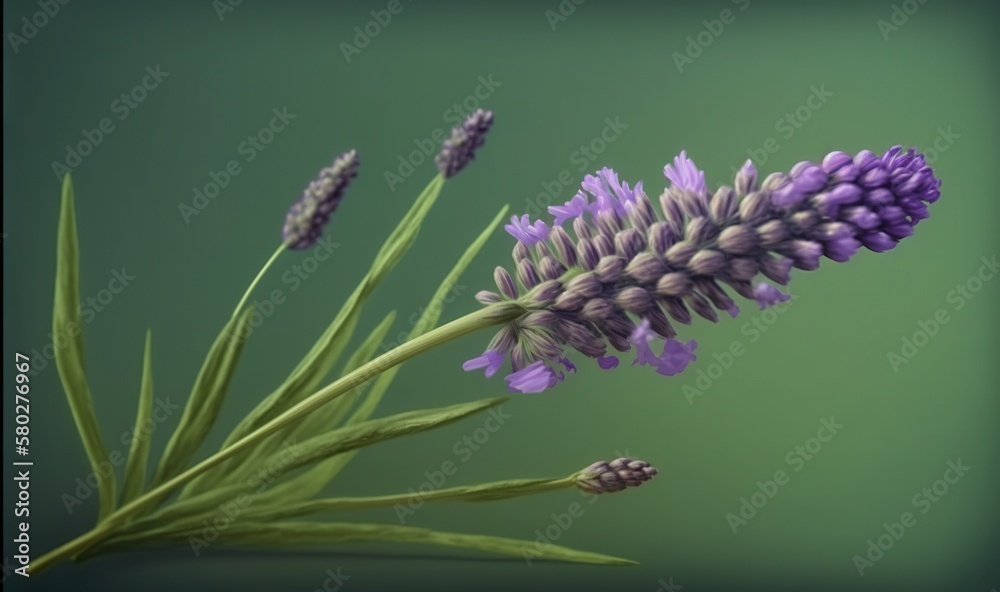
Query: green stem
(281,249)
(489,316)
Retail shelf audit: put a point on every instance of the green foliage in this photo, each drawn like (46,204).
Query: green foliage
(138,455)
(297,439)
(205,401)
(69,359)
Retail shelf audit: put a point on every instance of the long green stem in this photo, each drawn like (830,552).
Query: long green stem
(486,317)
(246,295)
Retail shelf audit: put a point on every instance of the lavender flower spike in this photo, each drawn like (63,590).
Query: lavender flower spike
(609,477)
(631,273)
(307,216)
(459,150)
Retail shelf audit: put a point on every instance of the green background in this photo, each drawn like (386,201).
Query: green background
(827,355)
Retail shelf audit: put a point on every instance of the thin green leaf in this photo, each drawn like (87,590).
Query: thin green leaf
(317,363)
(330,415)
(298,455)
(323,420)
(323,355)
(485,492)
(206,397)
(138,455)
(281,535)
(66,323)
(427,321)
(370,432)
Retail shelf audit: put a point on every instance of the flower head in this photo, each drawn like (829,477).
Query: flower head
(628,273)
(459,150)
(619,474)
(307,216)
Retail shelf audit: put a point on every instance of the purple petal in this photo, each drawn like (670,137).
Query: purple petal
(676,356)
(533,378)
(569,366)
(492,360)
(767,295)
(571,210)
(640,338)
(607,362)
(683,174)
(527,232)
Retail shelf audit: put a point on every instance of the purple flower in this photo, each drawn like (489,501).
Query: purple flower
(767,295)
(685,175)
(534,378)
(676,356)
(632,274)
(492,360)
(307,216)
(459,150)
(572,209)
(527,232)
(607,362)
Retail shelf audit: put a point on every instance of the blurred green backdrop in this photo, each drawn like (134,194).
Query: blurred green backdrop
(669,76)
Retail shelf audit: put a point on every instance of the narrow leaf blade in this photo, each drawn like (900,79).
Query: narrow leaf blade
(427,321)
(360,435)
(138,455)
(70,358)
(206,397)
(323,355)
(285,535)
(319,361)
